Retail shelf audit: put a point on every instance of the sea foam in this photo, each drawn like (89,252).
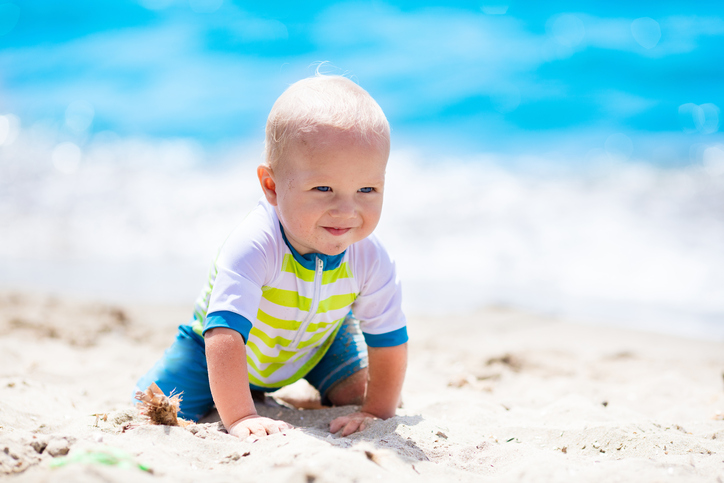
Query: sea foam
(627,243)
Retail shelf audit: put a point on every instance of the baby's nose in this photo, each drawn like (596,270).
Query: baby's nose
(343,209)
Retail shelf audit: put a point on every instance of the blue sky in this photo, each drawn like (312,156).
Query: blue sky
(506,77)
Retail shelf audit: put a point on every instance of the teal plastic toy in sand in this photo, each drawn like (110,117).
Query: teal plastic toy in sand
(105,456)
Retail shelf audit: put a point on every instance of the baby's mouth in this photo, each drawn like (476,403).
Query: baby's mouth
(337,231)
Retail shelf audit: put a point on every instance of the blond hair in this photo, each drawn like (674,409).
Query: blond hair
(323,101)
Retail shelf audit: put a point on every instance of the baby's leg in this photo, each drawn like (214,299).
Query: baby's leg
(341,375)
(350,390)
(182,369)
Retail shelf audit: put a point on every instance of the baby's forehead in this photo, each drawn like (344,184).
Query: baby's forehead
(326,150)
(326,136)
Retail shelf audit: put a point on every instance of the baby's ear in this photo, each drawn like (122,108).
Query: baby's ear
(268,185)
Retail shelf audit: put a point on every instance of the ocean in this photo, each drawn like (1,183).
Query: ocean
(134,220)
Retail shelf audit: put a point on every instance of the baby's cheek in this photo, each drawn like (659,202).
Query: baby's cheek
(302,226)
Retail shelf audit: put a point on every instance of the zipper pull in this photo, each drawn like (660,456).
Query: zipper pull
(320,264)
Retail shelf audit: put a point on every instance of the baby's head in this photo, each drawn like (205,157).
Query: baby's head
(323,101)
(327,144)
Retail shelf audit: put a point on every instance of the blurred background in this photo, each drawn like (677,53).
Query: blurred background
(549,156)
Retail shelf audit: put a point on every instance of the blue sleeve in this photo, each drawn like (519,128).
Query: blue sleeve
(228,320)
(388,339)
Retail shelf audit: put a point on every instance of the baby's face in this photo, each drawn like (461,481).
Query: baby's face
(328,191)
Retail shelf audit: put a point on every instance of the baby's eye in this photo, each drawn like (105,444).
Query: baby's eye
(366,190)
(323,188)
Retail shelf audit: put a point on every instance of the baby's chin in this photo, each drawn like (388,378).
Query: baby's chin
(334,251)
(333,247)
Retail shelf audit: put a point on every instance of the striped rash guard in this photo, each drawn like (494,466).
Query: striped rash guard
(288,307)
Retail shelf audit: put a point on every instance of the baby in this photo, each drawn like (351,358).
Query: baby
(302,288)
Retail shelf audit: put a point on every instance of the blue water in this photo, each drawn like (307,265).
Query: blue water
(515,78)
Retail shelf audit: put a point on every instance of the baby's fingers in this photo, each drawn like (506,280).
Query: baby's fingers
(258,427)
(240,431)
(338,423)
(349,424)
(259,430)
(353,426)
(271,426)
(275,427)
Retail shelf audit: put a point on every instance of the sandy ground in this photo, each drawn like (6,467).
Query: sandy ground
(498,396)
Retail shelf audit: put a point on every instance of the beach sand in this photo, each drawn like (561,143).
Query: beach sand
(497,396)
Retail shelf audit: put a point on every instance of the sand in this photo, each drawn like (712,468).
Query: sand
(497,396)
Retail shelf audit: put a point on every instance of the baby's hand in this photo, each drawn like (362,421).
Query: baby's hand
(352,422)
(258,426)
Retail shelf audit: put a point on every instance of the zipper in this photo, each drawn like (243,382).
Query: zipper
(318,274)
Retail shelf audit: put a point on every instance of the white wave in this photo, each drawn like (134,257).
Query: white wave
(629,242)
(625,242)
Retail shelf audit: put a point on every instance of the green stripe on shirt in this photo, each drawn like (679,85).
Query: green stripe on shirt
(286,298)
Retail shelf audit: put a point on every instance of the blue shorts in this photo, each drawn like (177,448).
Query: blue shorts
(183,368)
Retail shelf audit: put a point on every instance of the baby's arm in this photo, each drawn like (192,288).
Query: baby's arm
(386,373)
(229,380)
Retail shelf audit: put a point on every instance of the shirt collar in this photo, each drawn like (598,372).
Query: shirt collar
(308,261)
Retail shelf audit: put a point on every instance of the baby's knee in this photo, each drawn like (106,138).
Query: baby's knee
(350,390)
